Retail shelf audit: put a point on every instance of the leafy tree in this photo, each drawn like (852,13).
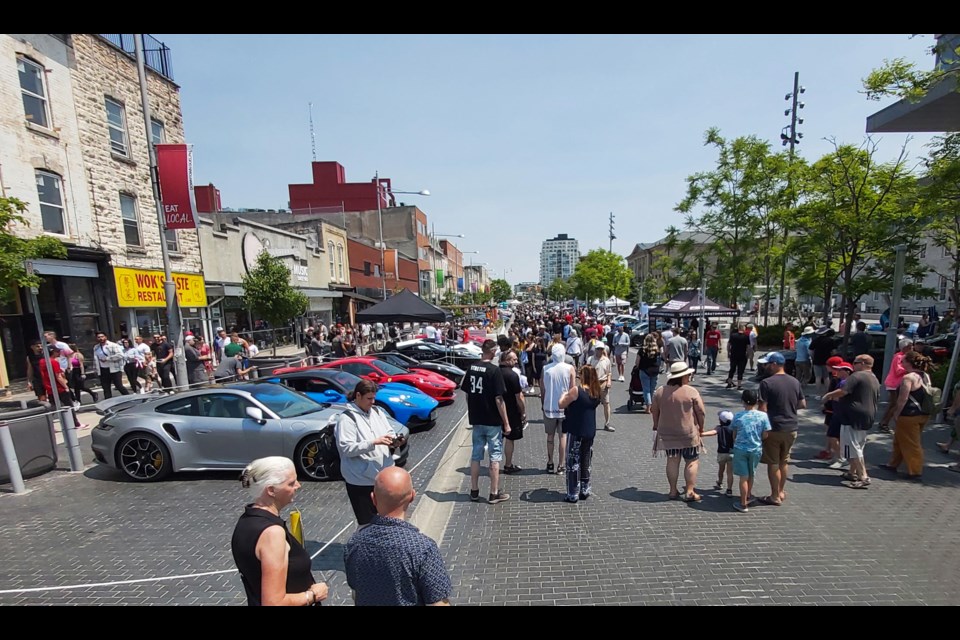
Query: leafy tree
(15,250)
(267,290)
(941,196)
(857,212)
(448,298)
(902,79)
(736,199)
(500,290)
(601,274)
(559,290)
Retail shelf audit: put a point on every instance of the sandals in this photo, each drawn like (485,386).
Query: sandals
(729,493)
(718,486)
(561,469)
(550,467)
(692,497)
(770,501)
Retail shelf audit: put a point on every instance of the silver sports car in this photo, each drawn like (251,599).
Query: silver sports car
(221,427)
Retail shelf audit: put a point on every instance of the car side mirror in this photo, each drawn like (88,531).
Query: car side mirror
(256,413)
(331,394)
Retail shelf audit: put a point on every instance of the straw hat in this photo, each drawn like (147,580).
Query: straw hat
(679,369)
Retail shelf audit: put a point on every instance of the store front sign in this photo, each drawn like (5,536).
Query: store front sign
(141,288)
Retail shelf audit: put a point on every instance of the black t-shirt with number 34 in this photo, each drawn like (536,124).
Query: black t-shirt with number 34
(483,385)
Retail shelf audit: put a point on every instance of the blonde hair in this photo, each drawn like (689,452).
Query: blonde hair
(263,473)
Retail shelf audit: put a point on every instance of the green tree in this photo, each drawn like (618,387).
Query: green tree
(267,290)
(15,250)
(500,290)
(448,298)
(902,79)
(559,290)
(857,212)
(737,200)
(601,274)
(940,191)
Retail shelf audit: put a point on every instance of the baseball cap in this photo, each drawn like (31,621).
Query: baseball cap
(774,356)
(726,417)
(843,365)
(833,361)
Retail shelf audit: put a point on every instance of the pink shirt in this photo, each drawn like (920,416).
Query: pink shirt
(892,381)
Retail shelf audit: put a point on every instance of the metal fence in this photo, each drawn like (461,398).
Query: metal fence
(156,55)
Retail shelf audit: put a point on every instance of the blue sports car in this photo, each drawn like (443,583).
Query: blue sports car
(404,403)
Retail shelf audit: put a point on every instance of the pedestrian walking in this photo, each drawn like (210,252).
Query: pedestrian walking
(648,366)
(516,408)
(580,404)
(678,419)
(725,438)
(738,347)
(912,412)
(856,409)
(110,361)
(487,414)
(751,428)
(780,398)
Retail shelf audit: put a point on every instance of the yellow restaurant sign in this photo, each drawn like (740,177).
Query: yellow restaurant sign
(139,288)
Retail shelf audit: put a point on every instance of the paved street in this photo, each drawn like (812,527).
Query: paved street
(893,544)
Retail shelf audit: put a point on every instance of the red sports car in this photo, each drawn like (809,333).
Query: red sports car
(434,385)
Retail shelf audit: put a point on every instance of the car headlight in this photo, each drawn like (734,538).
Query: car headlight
(104,426)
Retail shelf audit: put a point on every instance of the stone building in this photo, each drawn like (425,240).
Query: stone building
(74,147)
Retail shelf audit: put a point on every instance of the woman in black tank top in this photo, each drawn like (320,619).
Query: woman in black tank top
(274,566)
(580,424)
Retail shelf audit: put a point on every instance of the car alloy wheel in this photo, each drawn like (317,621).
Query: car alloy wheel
(144,458)
(315,459)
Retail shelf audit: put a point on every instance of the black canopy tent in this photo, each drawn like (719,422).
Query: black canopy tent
(404,307)
(686,304)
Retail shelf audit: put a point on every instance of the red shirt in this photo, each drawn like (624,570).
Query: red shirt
(789,341)
(713,338)
(46,376)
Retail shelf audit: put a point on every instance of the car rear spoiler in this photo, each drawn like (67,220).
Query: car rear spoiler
(111,406)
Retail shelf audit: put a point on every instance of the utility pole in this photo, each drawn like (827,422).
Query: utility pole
(891,344)
(793,140)
(612,237)
(174,324)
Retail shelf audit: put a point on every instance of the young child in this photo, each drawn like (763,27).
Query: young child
(724,451)
(838,378)
(750,429)
(150,367)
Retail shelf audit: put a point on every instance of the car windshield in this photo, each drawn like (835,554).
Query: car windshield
(284,402)
(346,380)
(388,368)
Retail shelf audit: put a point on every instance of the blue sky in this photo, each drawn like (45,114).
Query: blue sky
(517,137)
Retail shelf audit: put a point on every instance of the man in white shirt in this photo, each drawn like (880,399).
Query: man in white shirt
(558,377)
(621,348)
(431,332)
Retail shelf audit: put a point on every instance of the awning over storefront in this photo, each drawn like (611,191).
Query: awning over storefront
(68,268)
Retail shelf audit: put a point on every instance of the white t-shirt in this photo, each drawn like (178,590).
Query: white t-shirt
(556,381)
(431,332)
(252,350)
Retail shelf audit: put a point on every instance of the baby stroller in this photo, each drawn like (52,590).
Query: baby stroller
(635,400)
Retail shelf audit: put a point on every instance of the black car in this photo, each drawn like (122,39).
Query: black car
(938,348)
(398,359)
(432,352)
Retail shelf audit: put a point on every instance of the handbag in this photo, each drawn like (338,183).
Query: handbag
(296,526)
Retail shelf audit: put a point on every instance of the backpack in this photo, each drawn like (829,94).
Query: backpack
(927,406)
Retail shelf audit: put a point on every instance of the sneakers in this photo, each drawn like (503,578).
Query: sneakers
(739,507)
(550,467)
(607,427)
(839,464)
(76,405)
(570,499)
(729,384)
(475,496)
(621,379)
(495,498)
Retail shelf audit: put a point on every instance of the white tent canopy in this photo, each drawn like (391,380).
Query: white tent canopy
(614,301)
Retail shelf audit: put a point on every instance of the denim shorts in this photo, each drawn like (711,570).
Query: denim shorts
(745,462)
(487,436)
(689,453)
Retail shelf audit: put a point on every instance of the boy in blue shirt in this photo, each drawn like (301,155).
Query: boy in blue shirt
(725,451)
(750,429)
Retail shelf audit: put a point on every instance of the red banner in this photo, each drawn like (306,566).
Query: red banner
(176,186)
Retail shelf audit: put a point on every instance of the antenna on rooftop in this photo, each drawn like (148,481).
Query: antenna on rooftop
(313,137)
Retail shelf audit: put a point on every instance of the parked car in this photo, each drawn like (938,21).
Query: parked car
(372,368)
(938,348)
(401,401)
(221,428)
(641,329)
(462,356)
(449,371)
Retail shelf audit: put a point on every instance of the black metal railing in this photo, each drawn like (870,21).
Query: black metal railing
(156,55)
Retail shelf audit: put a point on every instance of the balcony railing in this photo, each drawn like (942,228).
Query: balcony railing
(156,55)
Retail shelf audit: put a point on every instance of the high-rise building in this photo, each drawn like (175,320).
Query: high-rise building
(558,258)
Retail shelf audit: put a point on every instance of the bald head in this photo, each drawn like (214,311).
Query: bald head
(393,492)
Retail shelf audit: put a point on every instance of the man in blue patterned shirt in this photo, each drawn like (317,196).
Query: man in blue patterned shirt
(389,562)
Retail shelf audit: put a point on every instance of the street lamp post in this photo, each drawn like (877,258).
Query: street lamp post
(380,195)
